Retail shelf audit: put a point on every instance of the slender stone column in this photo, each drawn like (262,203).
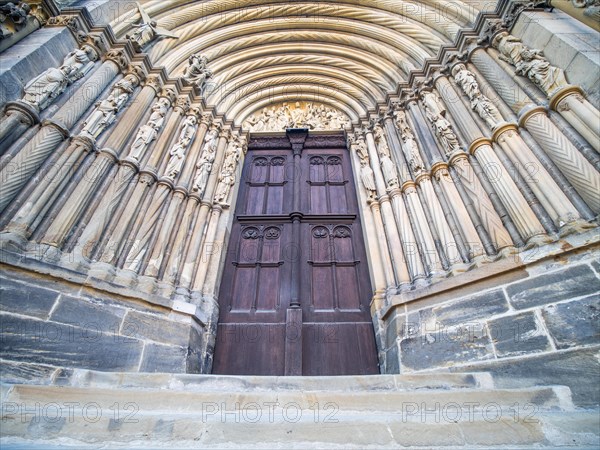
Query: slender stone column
(431,259)
(177,248)
(391,231)
(372,242)
(108,156)
(411,250)
(578,170)
(116,246)
(19,116)
(441,174)
(195,255)
(53,131)
(210,283)
(572,105)
(233,162)
(527,223)
(554,201)
(383,248)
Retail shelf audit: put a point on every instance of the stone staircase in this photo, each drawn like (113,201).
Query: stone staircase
(87,409)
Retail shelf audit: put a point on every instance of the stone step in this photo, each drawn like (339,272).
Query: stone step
(542,398)
(213,383)
(349,431)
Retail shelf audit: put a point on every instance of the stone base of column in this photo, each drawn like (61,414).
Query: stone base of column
(574,227)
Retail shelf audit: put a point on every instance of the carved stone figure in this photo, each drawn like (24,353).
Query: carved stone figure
(147,31)
(107,109)
(207,159)
(591,8)
(539,70)
(197,72)
(368,179)
(467,81)
(479,102)
(148,132)
(227,175)
(17,14)
(445,133)
(409,147)
(387,165)
(530,63)
(43,89)
(433,105)
(313,117)
(186,135)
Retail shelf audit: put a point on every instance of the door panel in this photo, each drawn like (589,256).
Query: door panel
(316,254)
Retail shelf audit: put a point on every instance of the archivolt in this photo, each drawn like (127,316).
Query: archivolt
(349,53)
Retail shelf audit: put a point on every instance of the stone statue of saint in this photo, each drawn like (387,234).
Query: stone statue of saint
(538,69)
(446,134)
(298,116)
(147,31)
(186,134)
(368,179)
(433,105)
(479,102)
(207,159)
(227,175)
(148,132)
(197,71)
(510,48)
(43,89)
(107,109)
(467,81)
(409,144)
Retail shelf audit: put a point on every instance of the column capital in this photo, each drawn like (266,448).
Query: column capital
(504,128)
(119,57)
(478,143)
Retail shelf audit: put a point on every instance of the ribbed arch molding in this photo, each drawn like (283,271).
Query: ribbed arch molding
(331,77)
(349,54)
(378,70)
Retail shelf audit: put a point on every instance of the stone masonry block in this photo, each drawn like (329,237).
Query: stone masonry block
(446,347)
(26,299)
(62,345)
(561,285)
(574,323)
(155,328)
(517,335)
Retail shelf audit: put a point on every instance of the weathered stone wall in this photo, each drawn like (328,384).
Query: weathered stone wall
(48,323)
(528,323)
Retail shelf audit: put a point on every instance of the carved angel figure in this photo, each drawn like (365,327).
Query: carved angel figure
(186,134)
(147,31)
(148,132)
(107,109)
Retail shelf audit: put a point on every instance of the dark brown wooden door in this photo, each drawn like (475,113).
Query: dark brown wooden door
(295,293)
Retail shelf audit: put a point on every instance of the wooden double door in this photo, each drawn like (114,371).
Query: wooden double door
(295,292)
